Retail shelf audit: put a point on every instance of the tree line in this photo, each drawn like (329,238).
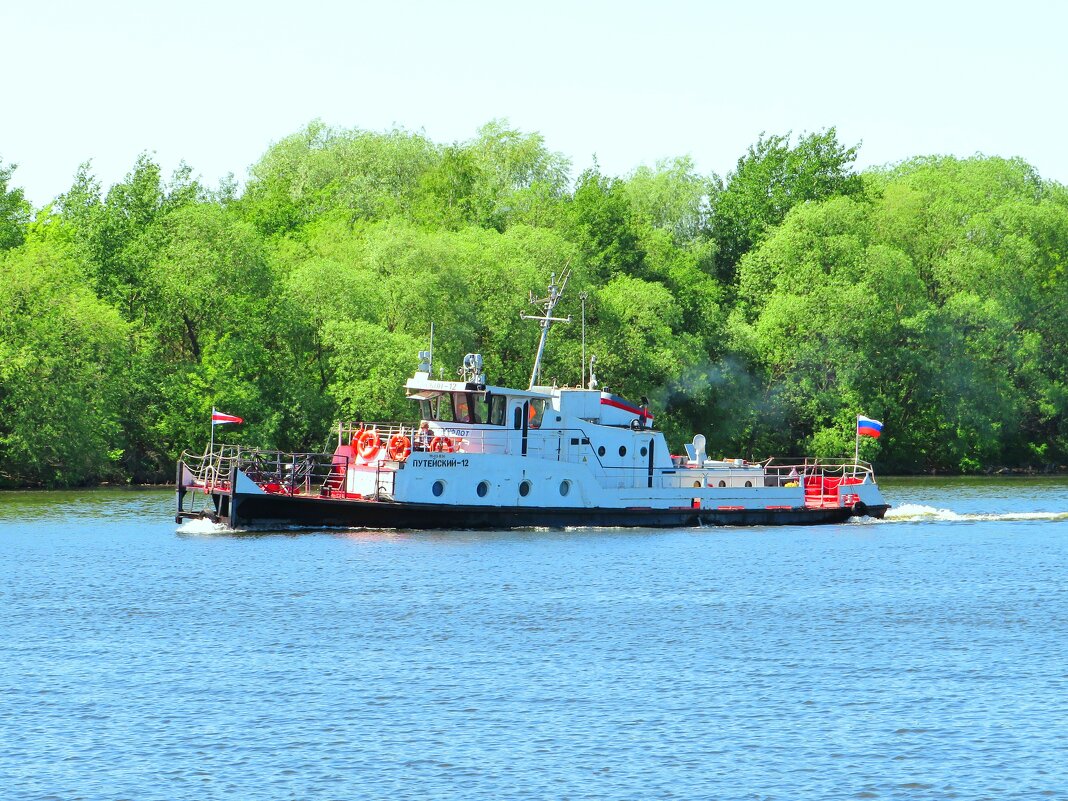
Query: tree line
(764,308)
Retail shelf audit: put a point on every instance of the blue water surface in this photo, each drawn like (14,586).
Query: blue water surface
(925,656)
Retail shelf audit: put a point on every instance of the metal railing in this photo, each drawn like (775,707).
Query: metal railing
(284,472)
(826,482)
(802,468)
(209,471)
(348,432)
(549,443)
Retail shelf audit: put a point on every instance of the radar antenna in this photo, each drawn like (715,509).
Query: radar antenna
(546,319)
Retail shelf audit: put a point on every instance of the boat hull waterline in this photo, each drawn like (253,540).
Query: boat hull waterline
(272,511)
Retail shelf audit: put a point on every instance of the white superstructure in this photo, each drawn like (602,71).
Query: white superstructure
(563,447)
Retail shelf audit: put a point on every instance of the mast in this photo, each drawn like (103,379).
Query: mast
(582,363)
(548,304)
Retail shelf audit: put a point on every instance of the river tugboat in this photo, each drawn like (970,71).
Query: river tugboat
(483,456)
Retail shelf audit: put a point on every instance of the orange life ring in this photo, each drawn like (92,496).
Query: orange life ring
(368,444)
(442,445)
(400,447)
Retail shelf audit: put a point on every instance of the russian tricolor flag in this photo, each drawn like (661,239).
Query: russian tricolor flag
(866,427)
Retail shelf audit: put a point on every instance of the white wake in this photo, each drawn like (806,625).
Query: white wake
(201,525)
(912,512)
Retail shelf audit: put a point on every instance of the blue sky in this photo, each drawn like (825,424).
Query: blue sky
(214,83)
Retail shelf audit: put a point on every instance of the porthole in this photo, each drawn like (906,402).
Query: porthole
(622,450)
(644,451)
(600,451)
(565,488)
(438,488)
(482,488)
(722,483)
(524,488)
(748,483)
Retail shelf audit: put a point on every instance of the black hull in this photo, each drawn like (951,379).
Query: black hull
(264,511)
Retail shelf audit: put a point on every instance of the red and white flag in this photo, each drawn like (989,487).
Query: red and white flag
(218,417)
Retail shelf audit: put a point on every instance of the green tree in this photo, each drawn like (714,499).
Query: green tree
(928,304)
(470,283)
(219,329)
(355,174)
(116,236)
(599,219)
(62,359)
(672,197)
(15,211)
(769,180)
(500,178)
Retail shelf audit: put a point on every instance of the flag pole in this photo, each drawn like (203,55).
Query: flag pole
(210,475)
(856,440)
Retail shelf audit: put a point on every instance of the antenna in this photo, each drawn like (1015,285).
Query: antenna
(548,303)
(582,363)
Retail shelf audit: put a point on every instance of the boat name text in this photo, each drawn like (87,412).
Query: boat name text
(439,462)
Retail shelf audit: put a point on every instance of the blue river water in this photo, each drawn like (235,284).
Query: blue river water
(921,657)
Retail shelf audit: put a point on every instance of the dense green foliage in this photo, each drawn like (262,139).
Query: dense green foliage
(14,211)
(765,308)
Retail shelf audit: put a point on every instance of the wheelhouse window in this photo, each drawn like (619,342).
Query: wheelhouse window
(461,407)
(479,407)
(535,413)
(437,407)
(497,407)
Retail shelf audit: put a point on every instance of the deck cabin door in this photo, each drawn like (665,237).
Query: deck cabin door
(517,427)
(526,426)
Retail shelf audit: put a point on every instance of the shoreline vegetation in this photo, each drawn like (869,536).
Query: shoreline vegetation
(765,308)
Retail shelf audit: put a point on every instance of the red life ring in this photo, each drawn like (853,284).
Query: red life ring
(400,447)
(368,444)
(442,445)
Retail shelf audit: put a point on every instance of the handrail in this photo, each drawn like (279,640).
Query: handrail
(288,471)
(816,466)
(212,468)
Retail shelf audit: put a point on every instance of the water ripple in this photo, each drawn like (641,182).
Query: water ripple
(921,659)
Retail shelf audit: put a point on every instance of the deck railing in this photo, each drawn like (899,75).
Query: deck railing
(290,473)
(802,468)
